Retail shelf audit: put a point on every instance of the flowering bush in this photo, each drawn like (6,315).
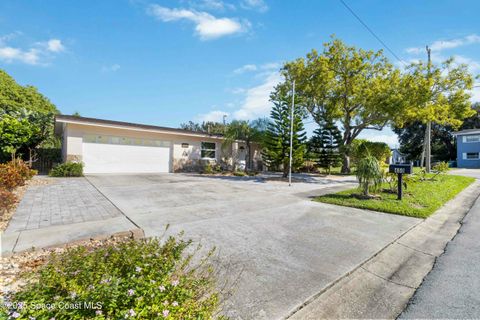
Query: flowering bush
(131,280)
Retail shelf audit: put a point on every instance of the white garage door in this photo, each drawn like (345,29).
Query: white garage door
(107,154)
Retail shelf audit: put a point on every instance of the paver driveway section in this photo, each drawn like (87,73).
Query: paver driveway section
(64,210)
(282,247)
(62,201)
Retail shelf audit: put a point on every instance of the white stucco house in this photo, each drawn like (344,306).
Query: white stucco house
(106,146)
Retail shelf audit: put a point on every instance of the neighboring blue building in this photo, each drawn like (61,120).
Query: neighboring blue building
(468,148)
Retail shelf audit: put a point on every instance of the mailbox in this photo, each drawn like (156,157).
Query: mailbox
(400,169)
(406,168)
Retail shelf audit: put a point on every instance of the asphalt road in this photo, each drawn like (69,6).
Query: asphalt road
(451,289)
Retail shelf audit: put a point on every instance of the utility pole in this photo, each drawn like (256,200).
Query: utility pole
(291,135)
(428,134)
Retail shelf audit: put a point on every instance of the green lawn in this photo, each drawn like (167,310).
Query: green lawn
(420,199)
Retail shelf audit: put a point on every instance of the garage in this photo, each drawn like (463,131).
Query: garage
(115,154)
(109,146)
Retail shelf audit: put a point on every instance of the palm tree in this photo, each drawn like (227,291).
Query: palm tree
(369,174)
(246,131)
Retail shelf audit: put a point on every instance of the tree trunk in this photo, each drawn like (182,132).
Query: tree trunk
(286,168)
(365,189)
(346,163)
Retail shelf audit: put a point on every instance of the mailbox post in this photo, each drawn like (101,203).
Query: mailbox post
(400,169)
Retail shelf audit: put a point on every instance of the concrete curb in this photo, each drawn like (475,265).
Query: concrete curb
(382,286)
(58,236)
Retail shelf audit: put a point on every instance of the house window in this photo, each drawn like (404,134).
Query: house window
(208,150)
(473,138)
(184,145)
(472,156)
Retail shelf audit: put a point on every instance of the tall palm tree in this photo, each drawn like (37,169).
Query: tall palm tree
(246,131)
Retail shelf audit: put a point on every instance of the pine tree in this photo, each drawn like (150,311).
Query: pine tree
(325,143)
(276,149)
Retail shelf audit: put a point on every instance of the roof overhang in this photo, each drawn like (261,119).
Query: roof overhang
(466,132)
(61,120)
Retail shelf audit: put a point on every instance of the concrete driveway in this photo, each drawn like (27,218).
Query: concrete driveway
(474,173)
(282,247)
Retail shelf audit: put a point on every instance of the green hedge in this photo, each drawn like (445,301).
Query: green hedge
(67,169)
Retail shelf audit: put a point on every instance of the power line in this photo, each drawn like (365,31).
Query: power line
(371,31)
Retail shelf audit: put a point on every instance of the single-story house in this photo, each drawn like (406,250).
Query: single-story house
(106,146)
(468,148)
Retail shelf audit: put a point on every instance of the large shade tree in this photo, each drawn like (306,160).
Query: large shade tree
(353,87)
(205,126)
(436,93)
(23,107)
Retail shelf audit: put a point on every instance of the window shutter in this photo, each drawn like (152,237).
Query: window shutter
(464,155)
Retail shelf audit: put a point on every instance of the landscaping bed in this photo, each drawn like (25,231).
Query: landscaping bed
(420,199)
(110,279)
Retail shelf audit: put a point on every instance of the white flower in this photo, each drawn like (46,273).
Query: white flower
(130,292)
(174,303)
(161,288)
(175,283)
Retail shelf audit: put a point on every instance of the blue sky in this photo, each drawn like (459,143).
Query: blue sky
(167,62)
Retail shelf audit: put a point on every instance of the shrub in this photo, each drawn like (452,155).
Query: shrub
(239,173)
(134,279)
(23,169)
(14,174)
(7,200)
(441,167)
(10,178)
(369,174)
(207,169)
(67,169)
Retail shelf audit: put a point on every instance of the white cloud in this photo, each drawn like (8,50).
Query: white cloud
(441,45)
(207,26)
(271,66)
(253,67)
(111,68)
(257,99)
(217,5)
(236,90)
(473,65)
(36,55)
(386,135)
(55,45)
(258,5)
(475,92)
(213,116)
(245,68)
